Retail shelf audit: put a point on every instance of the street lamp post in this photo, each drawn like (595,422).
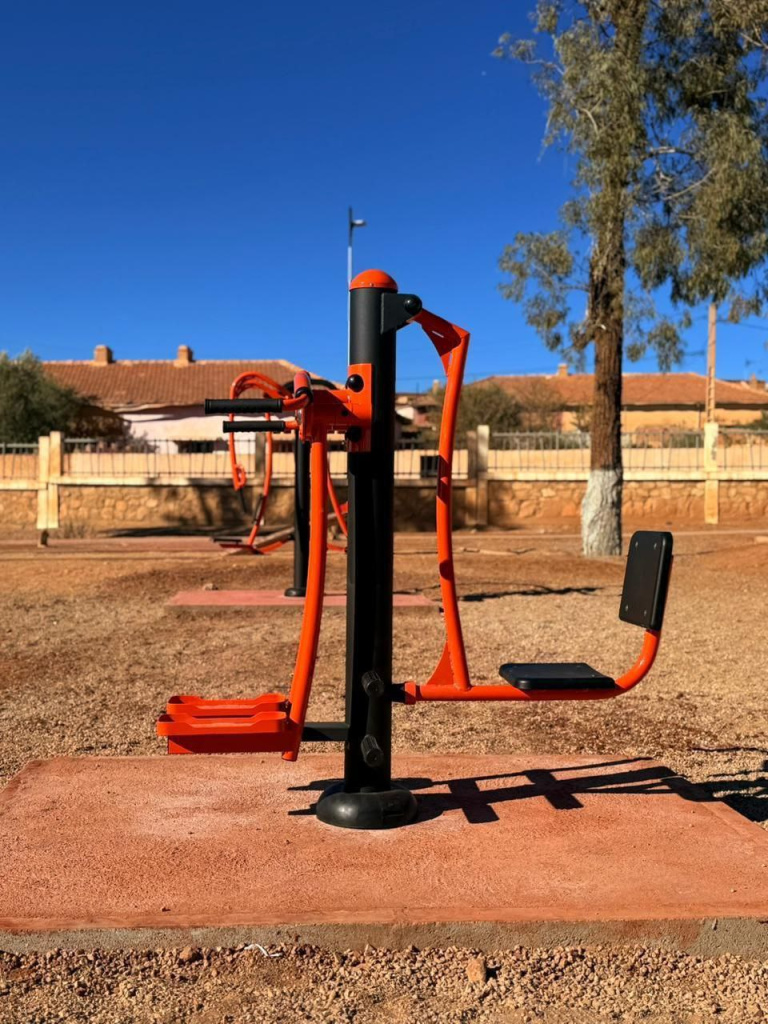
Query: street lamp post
(352,224)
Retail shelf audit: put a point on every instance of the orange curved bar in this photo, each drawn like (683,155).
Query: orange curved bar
(644,663)
(245,382)
(301,382)
(313,602)
(440,691)
(452,344)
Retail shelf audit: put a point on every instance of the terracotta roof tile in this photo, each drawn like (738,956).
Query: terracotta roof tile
(124,385)
(640,389)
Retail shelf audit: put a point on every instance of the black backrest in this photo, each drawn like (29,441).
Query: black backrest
(646,579)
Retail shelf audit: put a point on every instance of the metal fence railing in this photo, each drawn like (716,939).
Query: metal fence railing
(150,458)
(642,450)
(418,459)
(539,450)
(742,449)
(663,450)
(647,451)
(18,461)
(153,457)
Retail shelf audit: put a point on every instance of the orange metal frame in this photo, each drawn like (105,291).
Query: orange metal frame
(450,679)
(252,380)
(274,722)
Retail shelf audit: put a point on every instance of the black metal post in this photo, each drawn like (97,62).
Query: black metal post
(300,518)
(367,798)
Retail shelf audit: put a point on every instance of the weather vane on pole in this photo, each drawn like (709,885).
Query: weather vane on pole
(352,224)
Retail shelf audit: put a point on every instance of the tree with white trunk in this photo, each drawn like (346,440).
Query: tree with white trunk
(660,104)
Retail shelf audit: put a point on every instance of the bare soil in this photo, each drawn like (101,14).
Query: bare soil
(89,654)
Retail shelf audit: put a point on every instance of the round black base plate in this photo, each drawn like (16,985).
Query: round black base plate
(296,592)
(388,809)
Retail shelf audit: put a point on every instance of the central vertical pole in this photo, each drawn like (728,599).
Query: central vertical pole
(367,799)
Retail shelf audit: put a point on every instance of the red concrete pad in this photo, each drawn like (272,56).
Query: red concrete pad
(524,849)
(273,599)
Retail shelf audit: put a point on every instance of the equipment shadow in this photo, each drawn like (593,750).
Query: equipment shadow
(476,797)
(534,591)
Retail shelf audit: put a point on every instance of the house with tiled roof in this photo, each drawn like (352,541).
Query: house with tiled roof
(158,398)
(649,400)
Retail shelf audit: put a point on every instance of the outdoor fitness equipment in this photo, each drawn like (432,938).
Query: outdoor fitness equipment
(364,410)
(256,543)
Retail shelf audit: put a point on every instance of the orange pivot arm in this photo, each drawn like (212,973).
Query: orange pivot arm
(301,685)
(452,344)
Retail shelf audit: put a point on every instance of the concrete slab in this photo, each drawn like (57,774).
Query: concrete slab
(215,599)
(507,850)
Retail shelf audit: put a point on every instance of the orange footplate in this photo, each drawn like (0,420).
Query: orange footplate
(196,726)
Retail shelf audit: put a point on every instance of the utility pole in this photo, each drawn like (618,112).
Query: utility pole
(711,477)
(352,224)
(709,415)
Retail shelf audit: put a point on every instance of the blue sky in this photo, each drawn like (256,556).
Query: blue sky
(179,173)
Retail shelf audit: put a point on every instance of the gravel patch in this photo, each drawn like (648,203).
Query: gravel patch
(89,654)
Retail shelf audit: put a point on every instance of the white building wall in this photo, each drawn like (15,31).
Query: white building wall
(176,423)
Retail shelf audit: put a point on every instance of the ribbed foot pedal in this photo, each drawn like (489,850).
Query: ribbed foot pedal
(196,726)
(567,675)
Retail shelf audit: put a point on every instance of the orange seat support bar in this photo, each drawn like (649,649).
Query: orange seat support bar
(502,691)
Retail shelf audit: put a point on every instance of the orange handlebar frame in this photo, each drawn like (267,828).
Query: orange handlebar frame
(452,344)
(450,679)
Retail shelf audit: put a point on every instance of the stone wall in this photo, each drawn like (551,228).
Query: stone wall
(90,509)
(94,509)
(18,511)
(511,503)
(744,500)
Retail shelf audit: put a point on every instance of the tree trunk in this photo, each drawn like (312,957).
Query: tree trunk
(601,508)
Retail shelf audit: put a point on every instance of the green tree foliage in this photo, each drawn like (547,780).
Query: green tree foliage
(32,403)
(481,403)
(659,103)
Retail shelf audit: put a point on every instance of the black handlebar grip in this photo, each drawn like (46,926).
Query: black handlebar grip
(372,753)
(242,405)
(255,427)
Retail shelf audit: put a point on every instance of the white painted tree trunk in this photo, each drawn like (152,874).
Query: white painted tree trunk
(601,513)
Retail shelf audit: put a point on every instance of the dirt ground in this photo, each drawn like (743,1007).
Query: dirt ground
(89,654)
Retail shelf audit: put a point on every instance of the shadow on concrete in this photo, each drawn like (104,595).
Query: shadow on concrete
(631,777)
(744,791)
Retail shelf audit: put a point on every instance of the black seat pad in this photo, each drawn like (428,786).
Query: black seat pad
(566,675)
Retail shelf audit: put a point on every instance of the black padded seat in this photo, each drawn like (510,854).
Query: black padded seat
(566,675)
